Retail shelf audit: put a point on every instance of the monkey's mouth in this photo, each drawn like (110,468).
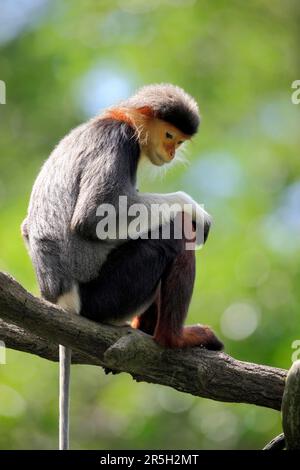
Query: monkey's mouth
(157,159)
(160,160)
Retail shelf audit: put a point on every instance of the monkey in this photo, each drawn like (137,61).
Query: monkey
(147,280)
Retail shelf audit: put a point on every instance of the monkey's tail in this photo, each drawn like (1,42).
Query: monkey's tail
(65,356)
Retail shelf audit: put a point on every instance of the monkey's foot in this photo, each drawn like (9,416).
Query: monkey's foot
(196,335)
(201,335)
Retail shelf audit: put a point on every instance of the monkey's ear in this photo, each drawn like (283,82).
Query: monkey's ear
(146,111)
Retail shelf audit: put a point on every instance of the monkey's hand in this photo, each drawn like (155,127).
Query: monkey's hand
(201,219)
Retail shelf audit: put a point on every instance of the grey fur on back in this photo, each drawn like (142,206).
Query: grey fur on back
(78,175)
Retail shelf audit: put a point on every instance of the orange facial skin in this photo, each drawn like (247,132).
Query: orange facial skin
(163,141)
(158,139)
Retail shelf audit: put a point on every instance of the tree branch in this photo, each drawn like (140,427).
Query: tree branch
(21,340)
(291,408)
(35,326)
(278,443)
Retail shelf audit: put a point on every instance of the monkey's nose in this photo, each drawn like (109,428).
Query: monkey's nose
(170,149)
(172,154)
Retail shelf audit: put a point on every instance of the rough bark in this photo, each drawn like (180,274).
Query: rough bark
(291,408)
(35,326)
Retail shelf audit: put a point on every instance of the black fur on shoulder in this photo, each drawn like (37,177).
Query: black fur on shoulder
(169,103)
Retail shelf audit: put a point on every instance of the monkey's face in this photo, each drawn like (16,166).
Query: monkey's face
(161,140)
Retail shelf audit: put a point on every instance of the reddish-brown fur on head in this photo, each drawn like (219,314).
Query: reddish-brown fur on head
(120,114)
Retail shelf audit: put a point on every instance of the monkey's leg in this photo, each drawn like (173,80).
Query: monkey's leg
(165,317)
(176,292)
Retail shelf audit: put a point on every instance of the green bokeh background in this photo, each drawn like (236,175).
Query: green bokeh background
(64,60)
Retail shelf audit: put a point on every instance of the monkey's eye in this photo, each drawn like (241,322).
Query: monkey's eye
(168,135)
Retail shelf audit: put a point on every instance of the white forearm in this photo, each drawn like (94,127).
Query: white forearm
(164,207)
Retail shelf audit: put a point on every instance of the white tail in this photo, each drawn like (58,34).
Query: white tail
(70,301)
(65,355)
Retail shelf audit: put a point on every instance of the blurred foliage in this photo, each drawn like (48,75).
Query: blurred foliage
(64,60)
